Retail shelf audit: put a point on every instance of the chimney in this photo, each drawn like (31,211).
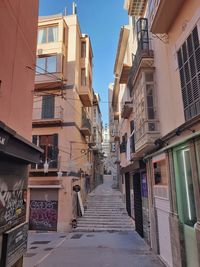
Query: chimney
(74,8)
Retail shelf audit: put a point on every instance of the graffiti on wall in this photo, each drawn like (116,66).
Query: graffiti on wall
(12,204)
(43,215)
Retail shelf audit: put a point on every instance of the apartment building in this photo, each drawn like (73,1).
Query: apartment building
(114,137)
(157,93)
(17,53)
(97,138)
(62,117)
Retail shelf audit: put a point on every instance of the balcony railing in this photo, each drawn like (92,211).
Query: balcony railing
(142,53)
(145,136)
(85,124)
(52,116)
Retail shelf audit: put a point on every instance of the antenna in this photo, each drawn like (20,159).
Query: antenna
(74,8)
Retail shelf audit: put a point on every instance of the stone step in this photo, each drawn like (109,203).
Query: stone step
(105,226)
(108,214)
(105,219)
(83,229)
(105,209)
(102,225)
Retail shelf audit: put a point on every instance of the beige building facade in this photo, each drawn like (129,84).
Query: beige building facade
(156,102)
(62,123)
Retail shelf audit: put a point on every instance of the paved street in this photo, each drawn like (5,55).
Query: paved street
(114,248)
(88,250)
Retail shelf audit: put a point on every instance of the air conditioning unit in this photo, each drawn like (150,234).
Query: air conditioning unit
(39,51)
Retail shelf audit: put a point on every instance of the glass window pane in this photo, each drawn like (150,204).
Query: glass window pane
(52,34)
(51,64)
(40,65)
(151,113)
(42,33)
(83,49)
(185,187)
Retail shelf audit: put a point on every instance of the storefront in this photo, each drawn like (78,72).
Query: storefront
(187,209)
(16,154)
(174,175)
(136,194)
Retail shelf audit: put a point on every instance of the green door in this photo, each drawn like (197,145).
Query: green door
(186,203)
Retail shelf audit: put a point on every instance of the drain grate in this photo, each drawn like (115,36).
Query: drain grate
(40,242)
(29,255)
(48,249)
(76,236)
(33,247)
(89,235)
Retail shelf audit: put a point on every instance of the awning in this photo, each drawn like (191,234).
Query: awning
(16,146)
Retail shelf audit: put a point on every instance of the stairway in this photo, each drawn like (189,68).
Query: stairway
(105,211)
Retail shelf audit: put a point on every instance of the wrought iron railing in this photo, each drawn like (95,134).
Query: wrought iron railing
(40,114)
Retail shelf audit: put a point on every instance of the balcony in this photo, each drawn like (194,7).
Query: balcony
(135,7)
(124,74)
(145,137)
(127,110)
(144,58)
(85,95)
(85,125)
(49,72)
(162,14)
(53,164)
(42,118)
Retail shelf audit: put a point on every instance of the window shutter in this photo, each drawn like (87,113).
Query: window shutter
(48,105)
(189,69)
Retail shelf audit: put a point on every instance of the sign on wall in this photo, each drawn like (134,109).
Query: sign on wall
(144,185)
(14,245)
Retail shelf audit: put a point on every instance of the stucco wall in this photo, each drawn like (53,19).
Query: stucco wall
(18,33)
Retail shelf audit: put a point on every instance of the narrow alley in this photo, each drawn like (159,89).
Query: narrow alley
(92,244)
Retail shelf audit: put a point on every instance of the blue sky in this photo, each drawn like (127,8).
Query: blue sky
(101,20)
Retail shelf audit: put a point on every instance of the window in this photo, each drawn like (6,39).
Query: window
(83,49)
(160,173)
(47,35)
(94,134)
(83,76)
(49,143)
(113,147)
(123,144)
(46,64)
(95,114)
(189,70)
(150,102)
(48,106)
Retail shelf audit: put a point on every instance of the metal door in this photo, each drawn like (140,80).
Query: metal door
(138,204)
(128,196)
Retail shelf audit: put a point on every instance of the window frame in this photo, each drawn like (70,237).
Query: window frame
(47,33)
